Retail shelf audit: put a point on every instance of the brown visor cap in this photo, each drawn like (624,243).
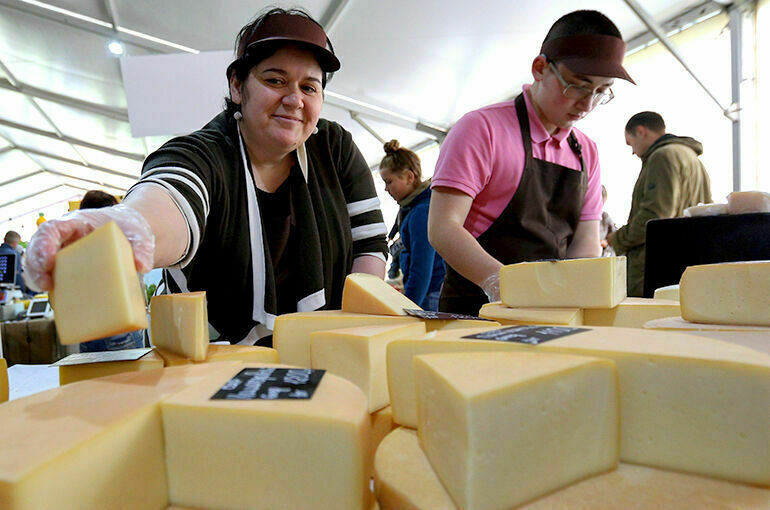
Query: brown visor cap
(590,54)
(291,28)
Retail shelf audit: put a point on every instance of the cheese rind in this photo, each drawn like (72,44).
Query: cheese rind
(632,312)
(267,454)
(728,293)
(576,283)
(3,380)
(358,355)
(506,315)
(291,336)
(106,431)
(74,373)
(689,403)
(405,480)
(501,429)
(180,324)
(670,292)
(366,293)
(96,289)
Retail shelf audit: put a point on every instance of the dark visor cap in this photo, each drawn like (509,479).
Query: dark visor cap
(589,54)
(289,28)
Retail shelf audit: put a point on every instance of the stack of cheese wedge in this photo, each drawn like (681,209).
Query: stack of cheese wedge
(574,292)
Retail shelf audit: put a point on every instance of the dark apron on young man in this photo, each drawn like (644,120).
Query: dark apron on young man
(538,223)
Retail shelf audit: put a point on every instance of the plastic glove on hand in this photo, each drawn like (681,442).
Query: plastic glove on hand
(53,235)
(491,287)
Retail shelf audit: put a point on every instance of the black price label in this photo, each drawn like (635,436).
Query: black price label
(427,314)
(532,335)
(271,384)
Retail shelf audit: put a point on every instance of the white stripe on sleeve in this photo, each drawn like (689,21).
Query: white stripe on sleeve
(362,206)
(367,231)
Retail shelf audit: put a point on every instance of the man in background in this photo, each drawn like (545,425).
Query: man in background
(10,246)
(671,180)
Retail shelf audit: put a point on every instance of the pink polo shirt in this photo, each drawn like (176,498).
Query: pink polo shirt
(483,156)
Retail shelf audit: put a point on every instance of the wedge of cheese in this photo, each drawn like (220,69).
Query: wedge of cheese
(632,312)
(221,352)
(742,202)
(74,373)
(753,337)
(97,292)
(452,324)
(291,336)
(405,480)
(3,380)
(504,428)
(107,431)
(670,292)
(729,293)
(267,454)
(366,293)
(508,316)
(358,355)
(689,403)
(180,324)
(574,283)
(382,425)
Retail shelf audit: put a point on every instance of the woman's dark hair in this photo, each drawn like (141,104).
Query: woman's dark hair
(96,199)
(242,68)
(400,159)
(582,23)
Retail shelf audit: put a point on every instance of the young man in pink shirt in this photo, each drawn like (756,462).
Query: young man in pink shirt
(514,181)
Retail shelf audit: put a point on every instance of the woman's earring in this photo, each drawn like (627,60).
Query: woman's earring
(315,130)
(237,115)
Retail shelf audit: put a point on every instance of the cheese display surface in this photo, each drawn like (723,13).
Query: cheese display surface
(632,312)
(92,445)
(265,454)
(97,292)
(358,355)
(574,283)
(74,373)
(180,324)
(291,336)
(670,292)
(506,315)
(366,293)
(501,429)
(728,293)
(3,380)
(405,480)
(688,403)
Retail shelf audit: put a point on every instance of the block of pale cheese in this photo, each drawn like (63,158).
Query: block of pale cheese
(358,355)
(689,403)
(727,293)
(221,352)
(171,359)
(266,437)
(452,324)
(382,425)
(366,293)
(508,316)
(705,210)
(670,292)
(753,337)
(291,336)
(180,324)
(93,445)
(97,292)
(503,428)
(742,202)
(405,480)
(3,380)
(74,373)
(575,283)
(632,312)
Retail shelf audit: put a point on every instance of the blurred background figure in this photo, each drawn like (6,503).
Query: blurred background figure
(606,227)
(422,267)
(96,199)
(12,245)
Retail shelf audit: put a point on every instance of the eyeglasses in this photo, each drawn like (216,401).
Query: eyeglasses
(578,93)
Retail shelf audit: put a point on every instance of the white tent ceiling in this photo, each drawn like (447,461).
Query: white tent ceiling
(63,121)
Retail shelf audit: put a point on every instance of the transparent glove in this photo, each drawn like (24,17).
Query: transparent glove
(491,287)
(53,235)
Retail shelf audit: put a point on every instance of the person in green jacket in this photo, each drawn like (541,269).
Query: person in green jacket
(671,180)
